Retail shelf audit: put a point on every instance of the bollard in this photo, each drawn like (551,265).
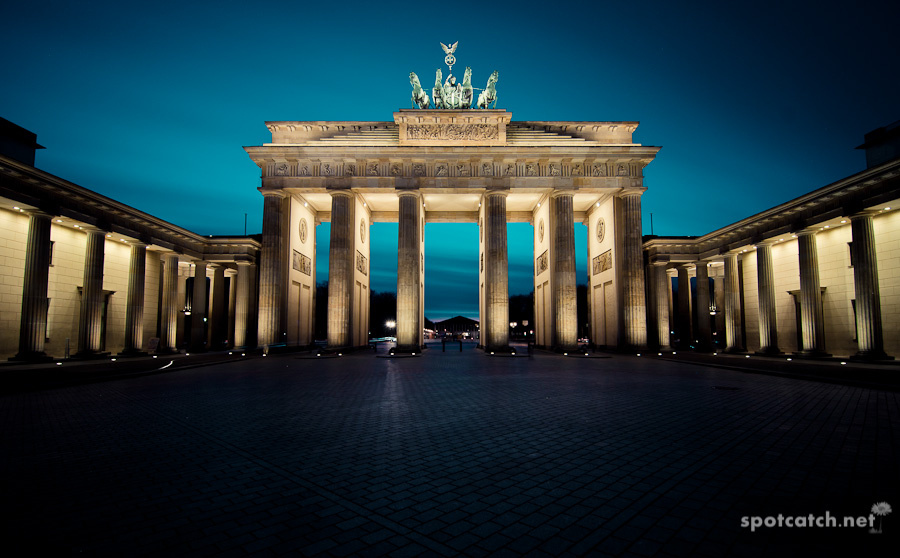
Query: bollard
(443,344)
(460,345)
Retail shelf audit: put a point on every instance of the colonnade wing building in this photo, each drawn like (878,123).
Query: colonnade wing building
(816,276)
(475,166)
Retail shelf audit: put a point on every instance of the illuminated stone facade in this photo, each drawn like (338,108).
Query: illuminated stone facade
(457,166)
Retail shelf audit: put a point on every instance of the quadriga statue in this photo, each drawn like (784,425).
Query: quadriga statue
(419,96)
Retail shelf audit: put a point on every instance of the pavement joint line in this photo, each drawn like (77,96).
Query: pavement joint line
(313,487)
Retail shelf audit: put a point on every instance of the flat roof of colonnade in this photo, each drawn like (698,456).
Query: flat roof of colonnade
(452,157)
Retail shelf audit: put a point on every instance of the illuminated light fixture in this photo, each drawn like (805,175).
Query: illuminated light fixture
(59,364)
(492,352)
(109,235)
(265,354)
(122,239)
(414,354)
(16,207)
(245,354)
(715,354)
(780,240)
(154,356)
(746,356)
(790,359)
(843,221)
(230,353)
(112,359)
(887,208)
(340,354)
(305,204)
(658,354)
(539,204)
(189,354)
(842,363)
(826,226)
(639,354)
(793,236)
(59,220)
(565,354)
(598,204)
(674,353)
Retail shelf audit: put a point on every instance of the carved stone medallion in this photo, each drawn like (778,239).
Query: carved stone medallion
(303,231)
(362,230)
(541,230)
(601,229)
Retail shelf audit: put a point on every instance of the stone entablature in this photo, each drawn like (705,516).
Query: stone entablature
(443,166)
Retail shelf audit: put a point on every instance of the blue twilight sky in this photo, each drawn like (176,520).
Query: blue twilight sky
(150,102)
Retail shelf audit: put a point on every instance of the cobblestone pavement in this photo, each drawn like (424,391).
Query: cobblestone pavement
(446,454)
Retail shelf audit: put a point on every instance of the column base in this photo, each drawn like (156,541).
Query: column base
(770,351)
(132,353)
(501,350)
(735,351)
(812,354)
(90,355)
(870,356)
(32,357)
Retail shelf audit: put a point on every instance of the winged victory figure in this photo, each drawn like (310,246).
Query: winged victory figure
(449,49)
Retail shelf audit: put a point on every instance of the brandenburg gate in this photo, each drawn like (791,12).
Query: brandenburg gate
(452,164)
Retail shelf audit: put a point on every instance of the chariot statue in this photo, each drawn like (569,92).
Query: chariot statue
(419,97)
(450,94)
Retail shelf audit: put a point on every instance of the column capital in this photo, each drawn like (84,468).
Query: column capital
(863,214)
(341,193)
(496,192)
(562,192)
(415,192)
(626,192)
(91,229)
(273,193)
(764,243)
(806,232)
(38,213)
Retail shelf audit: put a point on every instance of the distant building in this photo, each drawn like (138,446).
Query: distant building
(459,326)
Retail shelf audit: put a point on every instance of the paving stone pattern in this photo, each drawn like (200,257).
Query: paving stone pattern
(448,454)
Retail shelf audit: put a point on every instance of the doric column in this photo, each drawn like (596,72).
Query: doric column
(768,325)
(719,298)
(661,279)
(869,333)
(134,305)
(231,274)
(496,268)
(811,314)
(408,272)
(685,314)
(199,303)
(272,272)
(33,322)
(168,325)
(733,342)
(90,324)
(633,272)
(242,303)
(340,268)
(563,251)
(704,328)
(218,311)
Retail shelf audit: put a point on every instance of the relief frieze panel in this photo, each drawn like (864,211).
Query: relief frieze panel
(458,132)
